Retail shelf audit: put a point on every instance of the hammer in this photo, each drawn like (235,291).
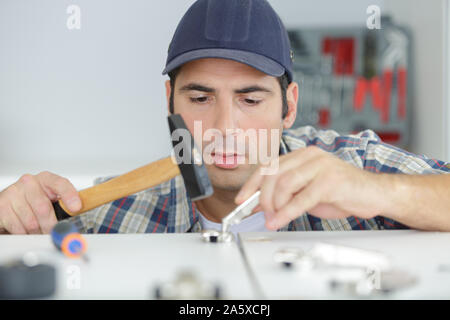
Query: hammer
(188,162)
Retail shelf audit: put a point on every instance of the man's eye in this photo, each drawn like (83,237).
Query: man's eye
(199,99)
(252,101)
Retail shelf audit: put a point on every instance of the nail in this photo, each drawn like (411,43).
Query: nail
(272,223)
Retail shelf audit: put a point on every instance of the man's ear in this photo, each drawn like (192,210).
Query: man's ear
(168,90)
(292,99)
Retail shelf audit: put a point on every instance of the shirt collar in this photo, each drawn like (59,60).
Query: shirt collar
(284,148)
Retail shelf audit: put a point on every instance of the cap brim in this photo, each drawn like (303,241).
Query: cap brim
(257,61)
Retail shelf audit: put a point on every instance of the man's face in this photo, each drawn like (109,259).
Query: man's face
(231,98)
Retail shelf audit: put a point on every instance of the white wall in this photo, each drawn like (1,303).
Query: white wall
(318,13)
(447,75)
(427,21)
(87,102)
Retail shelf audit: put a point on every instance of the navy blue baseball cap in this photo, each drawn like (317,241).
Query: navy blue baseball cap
(247,31)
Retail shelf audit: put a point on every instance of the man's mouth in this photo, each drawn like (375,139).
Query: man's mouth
(227,160)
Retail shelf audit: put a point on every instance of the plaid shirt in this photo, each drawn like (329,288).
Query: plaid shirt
(166,207)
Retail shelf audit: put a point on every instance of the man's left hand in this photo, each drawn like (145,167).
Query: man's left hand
(315,181)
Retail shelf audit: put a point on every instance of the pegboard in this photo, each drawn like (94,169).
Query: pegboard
(352,79)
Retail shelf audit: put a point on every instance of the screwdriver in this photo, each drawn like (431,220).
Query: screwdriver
(68,240)
(242,211)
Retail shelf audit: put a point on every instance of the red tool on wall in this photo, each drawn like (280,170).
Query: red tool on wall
(393,63)
(362,79)
(395,57)
(341,51)
(364,86)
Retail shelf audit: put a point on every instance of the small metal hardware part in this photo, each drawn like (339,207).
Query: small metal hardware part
(187,286)
(216,236)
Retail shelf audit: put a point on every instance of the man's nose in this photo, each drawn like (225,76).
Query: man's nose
(226,116)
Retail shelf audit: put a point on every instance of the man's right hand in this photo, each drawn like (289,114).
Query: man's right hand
(26,206)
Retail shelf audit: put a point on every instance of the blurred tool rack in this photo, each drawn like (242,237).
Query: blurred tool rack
(351,79)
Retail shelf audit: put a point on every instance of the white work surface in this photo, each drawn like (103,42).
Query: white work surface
(425,255)
(128,266)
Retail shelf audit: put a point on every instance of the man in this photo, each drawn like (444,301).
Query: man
(230,68)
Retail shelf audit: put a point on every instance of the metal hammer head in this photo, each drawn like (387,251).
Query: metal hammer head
(189,160)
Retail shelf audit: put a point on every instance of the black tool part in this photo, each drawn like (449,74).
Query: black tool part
(370,54)
(194,173)
(19,281)
(157,293)
(59,212)
(217,292)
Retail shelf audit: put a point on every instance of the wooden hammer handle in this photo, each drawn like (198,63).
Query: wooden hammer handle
(127,184)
